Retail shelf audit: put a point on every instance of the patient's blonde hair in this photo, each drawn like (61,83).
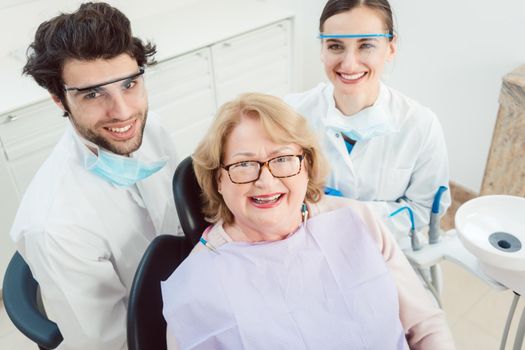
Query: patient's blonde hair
(282,125)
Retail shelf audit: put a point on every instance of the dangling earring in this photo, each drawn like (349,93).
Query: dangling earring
(304,212)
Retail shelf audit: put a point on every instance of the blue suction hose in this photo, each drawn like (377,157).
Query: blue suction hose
(433,230)
(414,239)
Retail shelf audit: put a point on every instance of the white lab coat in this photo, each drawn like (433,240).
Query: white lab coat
(84,237)
(403,166)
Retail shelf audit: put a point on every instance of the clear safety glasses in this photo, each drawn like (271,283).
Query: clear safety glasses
(101,96)
(250,170)
(363,47)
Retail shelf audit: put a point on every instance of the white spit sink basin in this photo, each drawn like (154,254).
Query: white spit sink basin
(493,229)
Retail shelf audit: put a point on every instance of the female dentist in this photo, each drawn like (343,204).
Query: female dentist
(384,148)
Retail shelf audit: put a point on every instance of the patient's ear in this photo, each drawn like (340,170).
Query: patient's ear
(219,182)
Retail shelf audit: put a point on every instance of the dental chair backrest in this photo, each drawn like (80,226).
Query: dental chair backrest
(188,201)
(146,327)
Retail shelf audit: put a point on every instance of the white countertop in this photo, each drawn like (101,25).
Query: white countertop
(174,32)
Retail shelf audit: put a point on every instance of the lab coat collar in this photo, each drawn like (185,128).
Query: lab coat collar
(147,188)
(375,117)
(81,143)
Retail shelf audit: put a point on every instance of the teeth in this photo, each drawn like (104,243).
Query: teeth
(352,76)
(123,129)
(266,199)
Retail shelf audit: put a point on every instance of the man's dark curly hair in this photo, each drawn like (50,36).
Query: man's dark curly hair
(95,30)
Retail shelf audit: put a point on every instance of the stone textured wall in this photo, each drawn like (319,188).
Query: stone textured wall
(505,169)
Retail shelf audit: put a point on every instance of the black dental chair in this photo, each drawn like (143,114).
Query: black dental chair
(20,295)
(146,327)
(188,201)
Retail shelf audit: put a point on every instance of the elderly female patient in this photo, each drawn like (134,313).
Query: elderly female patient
(283,266)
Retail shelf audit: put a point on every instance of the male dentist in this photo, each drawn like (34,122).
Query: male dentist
(105,191)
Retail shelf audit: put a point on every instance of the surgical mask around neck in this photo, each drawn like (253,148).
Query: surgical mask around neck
(120,170)
(364,134)
(368,123)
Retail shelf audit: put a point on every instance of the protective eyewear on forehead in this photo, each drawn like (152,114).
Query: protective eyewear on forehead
(250,170)
(102,95)
(96,86)
(354,36)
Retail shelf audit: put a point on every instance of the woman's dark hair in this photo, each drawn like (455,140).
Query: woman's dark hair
(334,7)
(95,30)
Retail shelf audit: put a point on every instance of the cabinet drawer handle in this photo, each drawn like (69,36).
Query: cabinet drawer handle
(12,117)
(226,45)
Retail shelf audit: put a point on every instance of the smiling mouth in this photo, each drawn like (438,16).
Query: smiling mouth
(122,132)
(267,199)
(352,77)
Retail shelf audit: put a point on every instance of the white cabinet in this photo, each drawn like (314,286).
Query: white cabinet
(9,199)
(259,61)
(181,92)
(27,136)
(185,91)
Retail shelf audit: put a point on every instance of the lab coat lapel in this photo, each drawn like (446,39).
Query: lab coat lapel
(334,137)
(161,210)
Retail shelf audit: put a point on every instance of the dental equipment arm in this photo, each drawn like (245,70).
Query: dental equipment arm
(414,238)
(433,231)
